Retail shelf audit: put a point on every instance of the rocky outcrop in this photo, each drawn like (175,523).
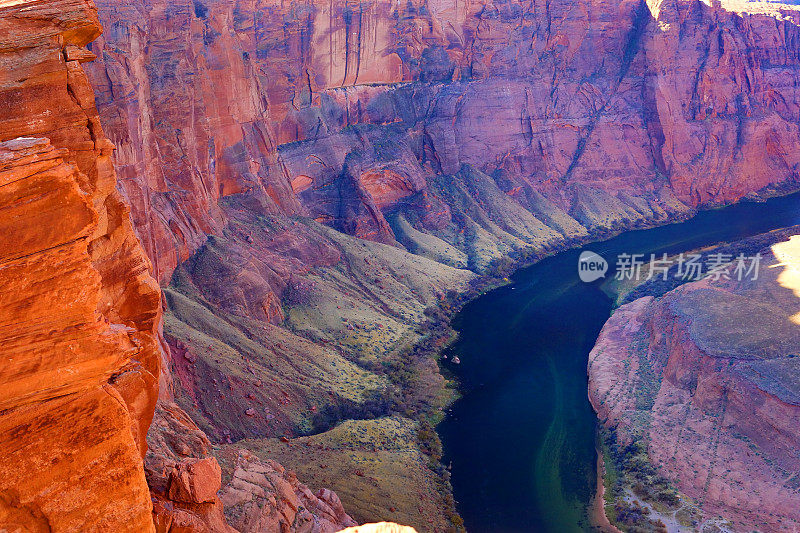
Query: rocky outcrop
(182,475)
(80,312)
(704,380)
(263,496)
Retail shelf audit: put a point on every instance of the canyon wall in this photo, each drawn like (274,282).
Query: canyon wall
(700,386)
(281,160)
(82,350)
(588,115)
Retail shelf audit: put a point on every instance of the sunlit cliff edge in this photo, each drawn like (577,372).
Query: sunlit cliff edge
(80,311)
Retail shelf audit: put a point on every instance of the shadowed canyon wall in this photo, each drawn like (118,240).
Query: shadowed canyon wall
(81,317)
(593,112)
(462,132)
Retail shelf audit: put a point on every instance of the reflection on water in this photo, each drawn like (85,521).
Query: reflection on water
(521,440)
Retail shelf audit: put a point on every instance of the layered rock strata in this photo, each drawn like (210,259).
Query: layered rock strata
(346,112)
(80,312)
(81,315)
(462,132)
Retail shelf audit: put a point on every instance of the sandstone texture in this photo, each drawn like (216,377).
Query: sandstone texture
(263,496)
(704,379)
(82,351)
(585,116)
(80,312)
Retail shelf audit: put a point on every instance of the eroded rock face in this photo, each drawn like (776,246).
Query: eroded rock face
(80,311)
(712,366)
(195,480)
(600,114)
(81,315)
(182,475)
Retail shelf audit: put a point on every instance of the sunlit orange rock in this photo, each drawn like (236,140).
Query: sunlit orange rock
(75,385)
(195,480)
(182,475)
(79,311)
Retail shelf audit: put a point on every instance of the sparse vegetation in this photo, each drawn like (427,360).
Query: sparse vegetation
(630,477)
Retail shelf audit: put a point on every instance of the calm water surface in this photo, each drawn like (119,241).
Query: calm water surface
(522,438)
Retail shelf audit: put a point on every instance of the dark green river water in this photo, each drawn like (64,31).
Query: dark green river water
(521,440)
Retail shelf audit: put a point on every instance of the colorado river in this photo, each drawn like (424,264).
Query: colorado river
(521,440)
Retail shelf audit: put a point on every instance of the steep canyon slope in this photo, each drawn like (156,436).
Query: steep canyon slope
(82,352)
(589,114)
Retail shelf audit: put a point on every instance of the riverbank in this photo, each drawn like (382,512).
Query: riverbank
(597,513)
(365,468)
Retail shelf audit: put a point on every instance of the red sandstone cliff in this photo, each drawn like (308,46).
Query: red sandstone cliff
(80,312)
(459,131)
(704,379)
(596,114)
(80,316)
